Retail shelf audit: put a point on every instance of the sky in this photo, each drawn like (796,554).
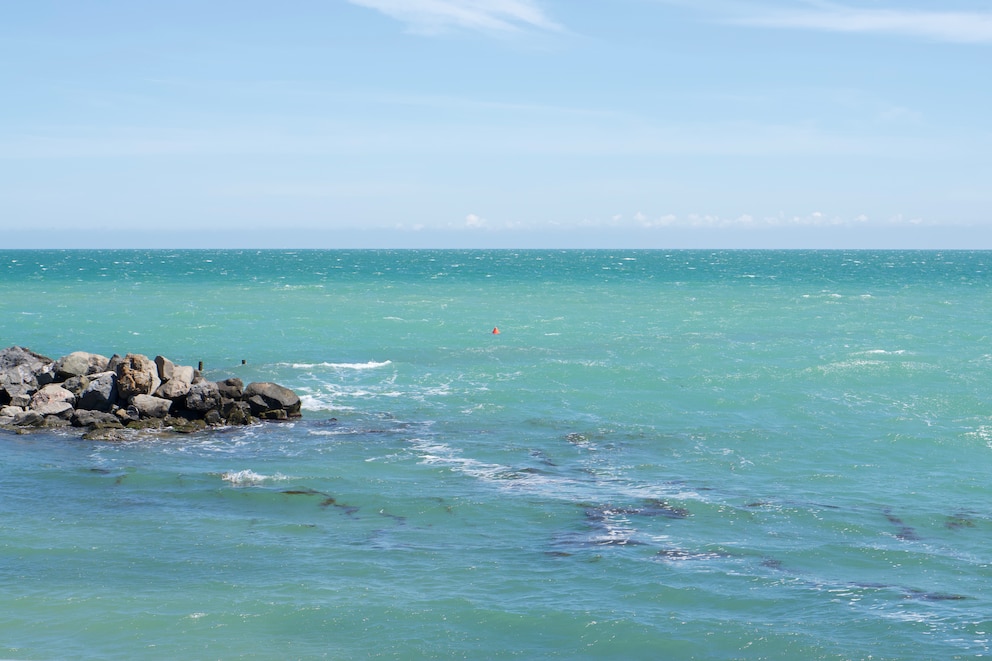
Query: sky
(496,123)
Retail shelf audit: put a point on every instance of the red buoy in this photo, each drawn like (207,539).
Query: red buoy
(495,331)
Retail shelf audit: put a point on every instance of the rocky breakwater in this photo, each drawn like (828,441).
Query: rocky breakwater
(103,395)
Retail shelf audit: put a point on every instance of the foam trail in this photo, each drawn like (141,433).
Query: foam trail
(248,478)
(370,365)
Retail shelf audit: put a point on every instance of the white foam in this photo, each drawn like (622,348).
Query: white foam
(342,366)
(321,403)
(883,352)
(248,477)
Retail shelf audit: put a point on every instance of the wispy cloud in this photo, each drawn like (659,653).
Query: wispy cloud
(436,16)
(748,221)
(946,26)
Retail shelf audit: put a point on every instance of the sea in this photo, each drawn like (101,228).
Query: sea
(662,454)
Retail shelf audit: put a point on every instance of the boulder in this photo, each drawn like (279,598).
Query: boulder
(22,370)
(20,396)
(147,423)
(100,394)
(137,375)
(29,419)
(266,396)
(83,418)
(93,391)
(182,425)
(149,406)
(232,388)
(203,397)
(235,412)
(14,357)
(173,389)
(76,384)
(53,399)
(80,363)
(114,362)
(178,384)
(184,373)
(165,367)
(105,434)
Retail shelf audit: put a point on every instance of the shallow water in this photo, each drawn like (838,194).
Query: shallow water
(685,454)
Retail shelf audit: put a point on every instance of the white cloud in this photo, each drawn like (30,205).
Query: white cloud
(949,26)
(813,219)
(435,16)
(474,221)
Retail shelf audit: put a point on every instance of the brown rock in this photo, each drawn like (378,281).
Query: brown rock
(137,375)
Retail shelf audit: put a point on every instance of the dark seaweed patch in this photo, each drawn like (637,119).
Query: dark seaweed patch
(615,541)
(655,507)
(958,522)
(303,492)
(933,596)
(328,501)
(905,532)
(680,555)
(651,507)
(395,517)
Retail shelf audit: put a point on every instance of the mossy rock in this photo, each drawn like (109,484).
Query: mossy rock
(106,434)
(145,423)
(183,426)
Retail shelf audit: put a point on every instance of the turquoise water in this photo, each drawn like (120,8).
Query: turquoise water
(663,454)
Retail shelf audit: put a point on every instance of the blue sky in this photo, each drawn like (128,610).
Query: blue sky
(502,123)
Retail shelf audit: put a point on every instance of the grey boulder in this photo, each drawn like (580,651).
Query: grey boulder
(53,399)
(149,406)
(266,396)
(80,363)
(203,396)
(100,394)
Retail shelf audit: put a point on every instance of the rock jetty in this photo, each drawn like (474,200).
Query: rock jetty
(102,395)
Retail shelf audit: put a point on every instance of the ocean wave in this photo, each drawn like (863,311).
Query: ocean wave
(340,366)
(248,478)
(882,352)
(337,432)
(322,403)
(538,482)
